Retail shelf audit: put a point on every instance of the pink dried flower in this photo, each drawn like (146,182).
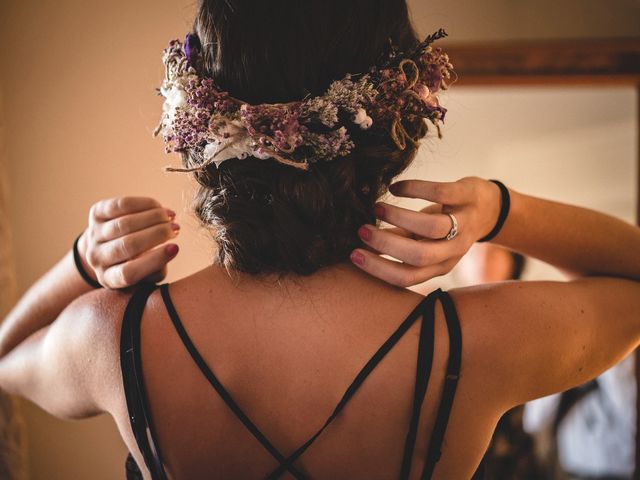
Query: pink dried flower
(200,117)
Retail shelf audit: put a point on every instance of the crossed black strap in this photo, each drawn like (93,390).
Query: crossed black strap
(143,427)
(286,464)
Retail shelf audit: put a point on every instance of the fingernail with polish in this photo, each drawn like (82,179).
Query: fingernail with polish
(364,233)
(171,213)
(175,227)
(171,250)
(378,210)
(357,257)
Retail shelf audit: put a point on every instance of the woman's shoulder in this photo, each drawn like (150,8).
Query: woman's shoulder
(525,340)
(103,311)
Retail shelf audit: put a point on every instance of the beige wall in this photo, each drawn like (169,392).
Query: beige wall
(12,431)
(78,80)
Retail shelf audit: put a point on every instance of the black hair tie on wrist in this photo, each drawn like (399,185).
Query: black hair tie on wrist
(83,273)
(505,204)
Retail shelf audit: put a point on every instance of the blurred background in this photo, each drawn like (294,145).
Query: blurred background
(78,108)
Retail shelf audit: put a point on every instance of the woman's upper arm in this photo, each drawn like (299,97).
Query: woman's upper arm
(67,367)
(526,340)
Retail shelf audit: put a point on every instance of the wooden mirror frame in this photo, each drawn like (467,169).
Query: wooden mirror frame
(604,62)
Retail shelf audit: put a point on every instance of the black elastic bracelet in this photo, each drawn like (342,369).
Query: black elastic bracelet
(83,273)
(505,204)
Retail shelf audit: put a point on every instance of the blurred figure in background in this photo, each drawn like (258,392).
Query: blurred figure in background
(586,433)
(592,427)
(487,263)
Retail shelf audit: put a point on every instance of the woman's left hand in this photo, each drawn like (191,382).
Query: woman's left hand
(418,238)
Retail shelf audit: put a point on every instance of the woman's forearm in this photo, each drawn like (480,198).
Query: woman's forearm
(42,303)
(575,239)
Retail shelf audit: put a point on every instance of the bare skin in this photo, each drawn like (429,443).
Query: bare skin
(287,352)
(121,246)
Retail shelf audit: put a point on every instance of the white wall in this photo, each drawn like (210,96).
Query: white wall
(575,145)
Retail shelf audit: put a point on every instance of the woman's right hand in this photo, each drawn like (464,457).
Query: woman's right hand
(418,238)
(120,247)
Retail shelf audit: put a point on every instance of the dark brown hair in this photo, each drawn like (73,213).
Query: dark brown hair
(267,217)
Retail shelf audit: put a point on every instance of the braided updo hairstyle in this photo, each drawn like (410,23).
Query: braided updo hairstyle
(267,217)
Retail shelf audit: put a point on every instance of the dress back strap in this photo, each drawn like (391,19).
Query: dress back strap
(450,385)
(359,379)
(217,385)
(423,373)
(135,393)
(286,464)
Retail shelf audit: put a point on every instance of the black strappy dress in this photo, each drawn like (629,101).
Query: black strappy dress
(142,424)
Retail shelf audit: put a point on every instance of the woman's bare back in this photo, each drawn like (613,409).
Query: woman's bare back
(286,354)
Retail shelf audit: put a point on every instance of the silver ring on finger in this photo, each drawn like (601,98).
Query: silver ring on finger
(454,227)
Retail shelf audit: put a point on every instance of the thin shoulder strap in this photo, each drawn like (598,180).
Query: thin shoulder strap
(450,384)
(135,393)
(215,383)
(423,373)
(286,464)
(357,382)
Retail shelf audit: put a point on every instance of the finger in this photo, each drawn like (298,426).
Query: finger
(433,208)
(445,193)
(418,253)
(129,273)
(426,225)
(126,248)
(119,206)
(120,226)
(396,273)
(398,231)
(157,276)
(395,231)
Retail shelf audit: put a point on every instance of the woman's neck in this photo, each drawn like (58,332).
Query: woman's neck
(322,283)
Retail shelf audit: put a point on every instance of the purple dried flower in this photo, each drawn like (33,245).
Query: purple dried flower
(198,115)
(192,47)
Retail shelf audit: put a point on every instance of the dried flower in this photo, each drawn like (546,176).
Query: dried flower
(200,117)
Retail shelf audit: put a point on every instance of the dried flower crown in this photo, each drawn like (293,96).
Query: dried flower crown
(201,118)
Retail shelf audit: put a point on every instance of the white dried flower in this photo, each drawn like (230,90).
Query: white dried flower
(229,140)
(361,119)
